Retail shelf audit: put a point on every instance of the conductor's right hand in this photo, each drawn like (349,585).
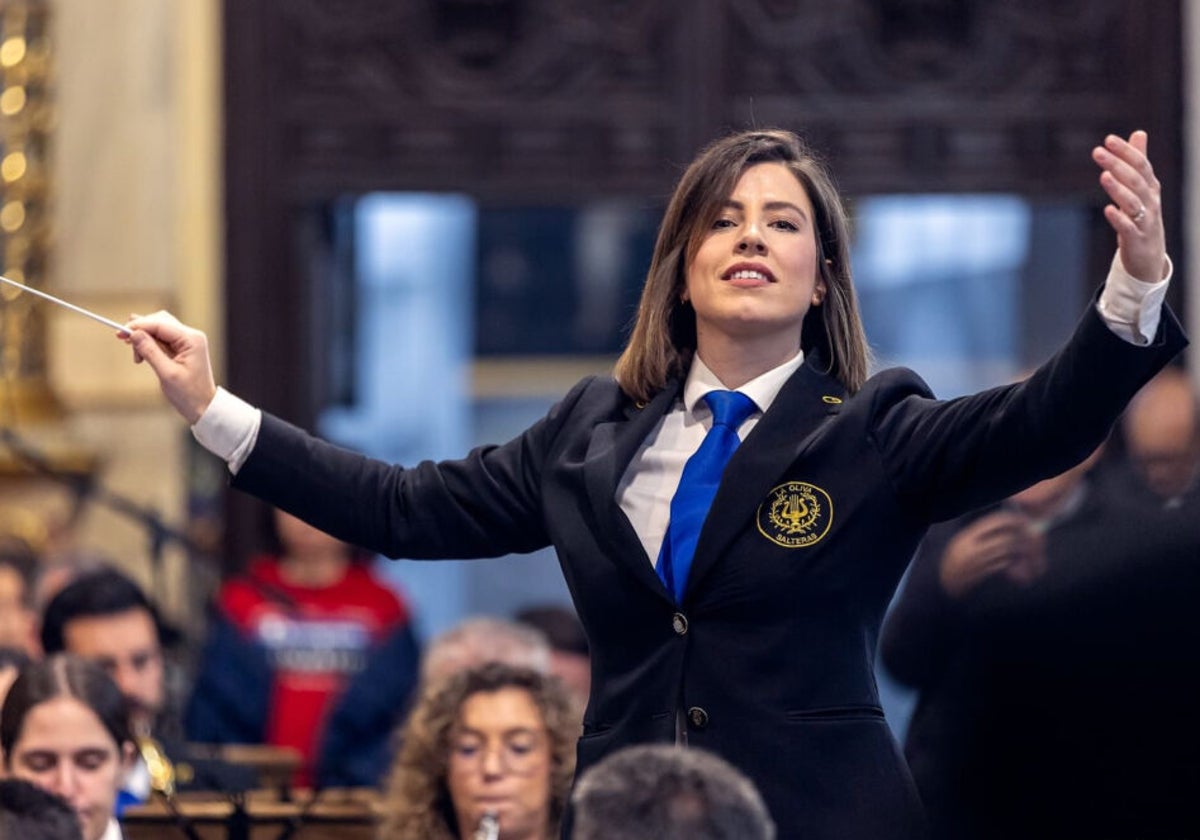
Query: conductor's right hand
(179,356)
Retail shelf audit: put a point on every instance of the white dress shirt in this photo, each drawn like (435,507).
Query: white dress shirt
(1131,309)
(137,780)
(655,470)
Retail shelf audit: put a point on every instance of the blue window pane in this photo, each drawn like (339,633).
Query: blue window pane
(939,279)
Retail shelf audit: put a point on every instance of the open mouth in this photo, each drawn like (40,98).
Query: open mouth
(748,276)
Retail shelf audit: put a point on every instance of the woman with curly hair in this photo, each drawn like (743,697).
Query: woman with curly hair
(492,746)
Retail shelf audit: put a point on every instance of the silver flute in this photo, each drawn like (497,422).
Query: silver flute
(488,829)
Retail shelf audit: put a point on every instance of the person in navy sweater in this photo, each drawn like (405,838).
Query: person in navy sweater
(307,650)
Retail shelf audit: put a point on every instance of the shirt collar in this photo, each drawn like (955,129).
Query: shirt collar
(762,389)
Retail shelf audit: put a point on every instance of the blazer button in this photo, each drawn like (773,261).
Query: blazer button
(697,717)
(679,624)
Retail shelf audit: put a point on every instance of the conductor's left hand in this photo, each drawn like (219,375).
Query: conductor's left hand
(1136,210)
(179,356)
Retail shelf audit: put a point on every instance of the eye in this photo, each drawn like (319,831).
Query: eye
(39,762)
(520,747)
(92,759)
(723,223)
(466,749)
(522,744)
(784,224)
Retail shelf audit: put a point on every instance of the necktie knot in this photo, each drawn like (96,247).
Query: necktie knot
(729,408)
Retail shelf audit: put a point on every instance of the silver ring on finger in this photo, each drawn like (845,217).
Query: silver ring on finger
(1137,217)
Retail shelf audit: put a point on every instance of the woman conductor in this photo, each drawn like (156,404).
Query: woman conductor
(732,595)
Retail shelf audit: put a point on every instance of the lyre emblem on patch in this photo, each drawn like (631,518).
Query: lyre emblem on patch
(795,515)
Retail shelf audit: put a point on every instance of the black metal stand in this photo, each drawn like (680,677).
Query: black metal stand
(86,488)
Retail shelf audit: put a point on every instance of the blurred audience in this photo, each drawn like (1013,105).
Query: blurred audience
(489,746)
(469,644)
(476,641)
(104,617)
(60,568)
(1161,431)
(64,727)
(569,657)
(28,812)
(1052,642)
(307,650)
(1011,540)
(661,792)
(12,660)
(18,616)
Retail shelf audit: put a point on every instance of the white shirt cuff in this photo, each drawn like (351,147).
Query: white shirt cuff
(1130,307)
(228,428)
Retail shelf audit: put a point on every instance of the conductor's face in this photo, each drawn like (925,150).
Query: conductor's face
(755,275)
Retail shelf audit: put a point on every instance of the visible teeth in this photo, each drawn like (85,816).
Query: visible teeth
(747,275)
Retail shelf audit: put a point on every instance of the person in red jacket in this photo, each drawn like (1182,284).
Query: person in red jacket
(291,636)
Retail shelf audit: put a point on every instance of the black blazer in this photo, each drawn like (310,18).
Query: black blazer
(769,659)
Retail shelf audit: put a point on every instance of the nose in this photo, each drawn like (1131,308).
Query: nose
(126,680)
(493,764)
(63,780)
(751,241)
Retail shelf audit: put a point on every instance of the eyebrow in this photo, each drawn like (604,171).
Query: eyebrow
(515,730)
(74,754)
(770,205)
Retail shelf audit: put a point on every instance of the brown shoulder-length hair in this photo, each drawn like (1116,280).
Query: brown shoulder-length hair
(64,675)
(664,335)
(416,804)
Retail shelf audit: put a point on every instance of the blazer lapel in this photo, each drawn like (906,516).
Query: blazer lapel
(804,403)
(611,448)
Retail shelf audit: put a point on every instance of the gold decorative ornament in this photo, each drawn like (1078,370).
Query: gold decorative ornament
(26,103)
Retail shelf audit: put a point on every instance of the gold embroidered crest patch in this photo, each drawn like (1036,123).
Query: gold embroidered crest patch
(795,515)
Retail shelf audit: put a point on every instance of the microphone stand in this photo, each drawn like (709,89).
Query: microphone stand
(86,488)
(181,821)
(237,825)
(297,822)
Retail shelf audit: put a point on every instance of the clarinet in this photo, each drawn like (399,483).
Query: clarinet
(488,828)
(160,768)
(162,781)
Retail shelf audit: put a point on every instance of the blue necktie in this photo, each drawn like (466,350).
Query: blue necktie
(698,486)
